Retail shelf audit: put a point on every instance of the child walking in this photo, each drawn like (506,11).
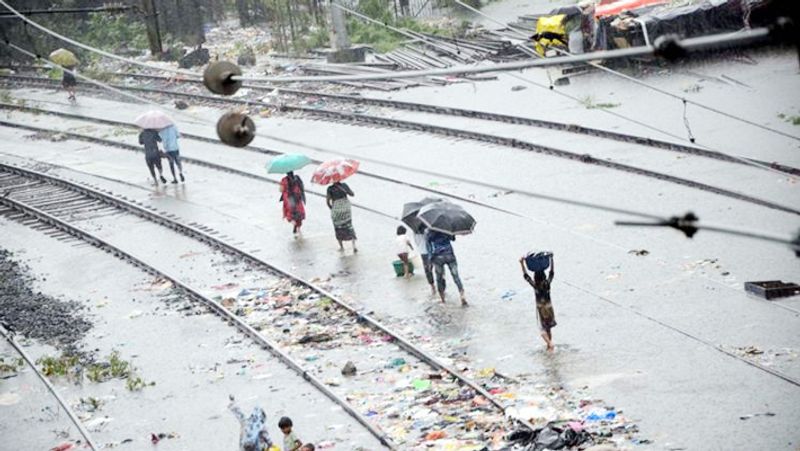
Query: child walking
(544,307)
(404,247)
(290,440)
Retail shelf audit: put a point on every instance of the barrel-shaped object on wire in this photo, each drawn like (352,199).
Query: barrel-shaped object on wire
(219,78)
(236,129)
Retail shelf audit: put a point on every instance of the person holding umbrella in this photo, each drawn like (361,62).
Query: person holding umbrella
(68,61)
(151,122)
(293,196)
(444,221)
(409,217)
(152,156)
(337,197)
(293,193)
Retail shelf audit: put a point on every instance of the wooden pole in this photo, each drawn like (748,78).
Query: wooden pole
(153,31)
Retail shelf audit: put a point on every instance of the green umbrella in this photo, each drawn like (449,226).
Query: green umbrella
(287,163)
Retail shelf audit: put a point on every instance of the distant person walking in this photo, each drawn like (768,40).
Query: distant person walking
(69,83)
(338,201)
(293,196)
(544,307)
(152,156)
(422,248)
(441,253)
(170,137)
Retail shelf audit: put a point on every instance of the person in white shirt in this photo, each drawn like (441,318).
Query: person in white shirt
(422,247)
(404,247)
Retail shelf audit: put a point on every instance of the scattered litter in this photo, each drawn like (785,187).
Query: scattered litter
(772,289)
(435,435)
(97,424)
(765,414)
(63,447)
(508,295)
(349,369)
(9,399)
(421,384)
(155,438)
(135,314)
(751,350)
(639,252)
(518,88)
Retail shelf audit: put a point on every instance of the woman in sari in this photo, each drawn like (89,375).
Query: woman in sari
(341,214)
(293,196)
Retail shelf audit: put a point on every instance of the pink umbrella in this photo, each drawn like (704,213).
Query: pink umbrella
(334,171)
(155,120)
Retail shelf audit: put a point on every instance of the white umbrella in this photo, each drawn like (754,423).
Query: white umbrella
(155,120)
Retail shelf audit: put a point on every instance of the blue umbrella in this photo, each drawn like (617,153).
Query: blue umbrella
(287,163)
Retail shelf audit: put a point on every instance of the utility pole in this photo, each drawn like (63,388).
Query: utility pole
(153,30)
(342,52)
(340,39)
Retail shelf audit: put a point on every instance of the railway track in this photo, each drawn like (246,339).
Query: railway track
(479,137)
(73,418)
(443,111)
(464,406)
(487,116)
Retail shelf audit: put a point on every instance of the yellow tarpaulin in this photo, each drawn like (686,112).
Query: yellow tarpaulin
(550,31)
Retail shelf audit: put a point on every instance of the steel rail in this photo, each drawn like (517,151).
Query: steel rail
(198,162)
(219,243)
(217,308)
(73,418)
(266,151)
(489,139)
(481,115)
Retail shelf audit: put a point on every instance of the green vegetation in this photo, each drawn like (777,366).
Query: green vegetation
(136,383)
(5,96)
(381,38)
(793,119)
(108,32)
(10,365)
(59,366)
(114,367)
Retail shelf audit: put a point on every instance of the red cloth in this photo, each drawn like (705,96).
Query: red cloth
(293,208)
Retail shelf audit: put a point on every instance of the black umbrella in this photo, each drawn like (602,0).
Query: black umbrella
(447,218)
(411,209)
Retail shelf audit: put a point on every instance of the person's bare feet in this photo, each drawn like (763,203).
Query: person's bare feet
(463,300)
(441,295)
(433,290)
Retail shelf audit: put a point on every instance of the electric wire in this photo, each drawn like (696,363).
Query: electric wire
(552,88)
(642,83)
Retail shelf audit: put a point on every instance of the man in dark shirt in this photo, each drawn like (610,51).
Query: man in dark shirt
(152,156)
(441,253)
